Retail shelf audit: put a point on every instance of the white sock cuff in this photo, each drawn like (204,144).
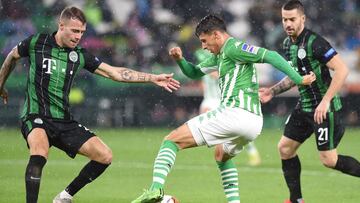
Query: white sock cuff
(65,195)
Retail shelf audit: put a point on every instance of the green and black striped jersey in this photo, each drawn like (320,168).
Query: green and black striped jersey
(311,52)
(51,73)
(237,75)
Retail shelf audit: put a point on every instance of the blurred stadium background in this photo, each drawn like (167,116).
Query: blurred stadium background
(138,33)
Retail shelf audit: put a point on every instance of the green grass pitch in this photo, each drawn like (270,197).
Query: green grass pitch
(194,178)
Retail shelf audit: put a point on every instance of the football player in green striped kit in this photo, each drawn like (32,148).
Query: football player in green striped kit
(236,122)
(319,107)
(46,119)
(211,101)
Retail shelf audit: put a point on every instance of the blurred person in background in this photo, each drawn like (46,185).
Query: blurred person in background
(46,118)
(236,122)
(319,108)
(212,98)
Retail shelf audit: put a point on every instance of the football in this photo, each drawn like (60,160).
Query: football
(169,199)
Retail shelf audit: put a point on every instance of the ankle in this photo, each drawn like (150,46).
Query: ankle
(156,186)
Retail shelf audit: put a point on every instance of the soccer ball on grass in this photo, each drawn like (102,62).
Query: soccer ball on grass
(169,199)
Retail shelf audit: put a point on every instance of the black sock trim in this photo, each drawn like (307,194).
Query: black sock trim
(38,160)
(35,166)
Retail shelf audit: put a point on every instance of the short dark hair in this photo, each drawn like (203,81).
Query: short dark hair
(71,13)
(294,4)
(210,23)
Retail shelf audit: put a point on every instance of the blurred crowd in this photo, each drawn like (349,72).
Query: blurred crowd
(138,33)
(337,20)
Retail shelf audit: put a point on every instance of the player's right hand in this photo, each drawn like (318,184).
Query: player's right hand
(167,82)
(4,95)
(309,78)
(175,53)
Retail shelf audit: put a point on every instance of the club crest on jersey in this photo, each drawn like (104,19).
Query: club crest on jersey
(73,56)
(301,53)
(38,121)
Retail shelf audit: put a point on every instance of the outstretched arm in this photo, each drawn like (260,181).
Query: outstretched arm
(6,68)
(122,74)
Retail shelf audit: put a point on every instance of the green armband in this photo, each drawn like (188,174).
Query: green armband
(189,69)
(273,58)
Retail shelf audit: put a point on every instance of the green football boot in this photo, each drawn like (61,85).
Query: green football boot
(150,196)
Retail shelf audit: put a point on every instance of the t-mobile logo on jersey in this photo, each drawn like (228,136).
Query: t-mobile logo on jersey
(49,64)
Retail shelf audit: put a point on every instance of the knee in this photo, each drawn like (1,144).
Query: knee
(177,139)
(106,157)
(218,155)
(286,151)
(41,151)
(221,155)
(170,138)
(39,148)
(328,161)
(175,136)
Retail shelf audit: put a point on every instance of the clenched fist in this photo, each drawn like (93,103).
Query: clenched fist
(175,53)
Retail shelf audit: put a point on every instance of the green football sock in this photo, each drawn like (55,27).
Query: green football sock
(163,163)
(229,177)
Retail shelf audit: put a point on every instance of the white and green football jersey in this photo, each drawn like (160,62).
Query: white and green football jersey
(237,75)
(211,84)
(211,88)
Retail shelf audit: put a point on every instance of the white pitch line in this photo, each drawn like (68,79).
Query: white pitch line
(177,166)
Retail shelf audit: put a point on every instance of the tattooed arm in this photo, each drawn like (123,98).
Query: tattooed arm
(122,74)
(6,68)
(284,85)
(266,94)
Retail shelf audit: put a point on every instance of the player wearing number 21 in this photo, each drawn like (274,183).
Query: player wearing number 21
(319,108)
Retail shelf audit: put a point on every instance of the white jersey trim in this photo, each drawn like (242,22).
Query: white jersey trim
(207,70)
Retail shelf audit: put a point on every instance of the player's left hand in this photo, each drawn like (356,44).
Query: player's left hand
(4,95)
(166,81)
(265,95)
(321,110)
(309,78)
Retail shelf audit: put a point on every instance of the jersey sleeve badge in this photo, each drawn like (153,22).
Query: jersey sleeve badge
(249,48)
(329,53)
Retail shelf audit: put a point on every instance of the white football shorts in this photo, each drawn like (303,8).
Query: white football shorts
(210,104)
(232,127)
